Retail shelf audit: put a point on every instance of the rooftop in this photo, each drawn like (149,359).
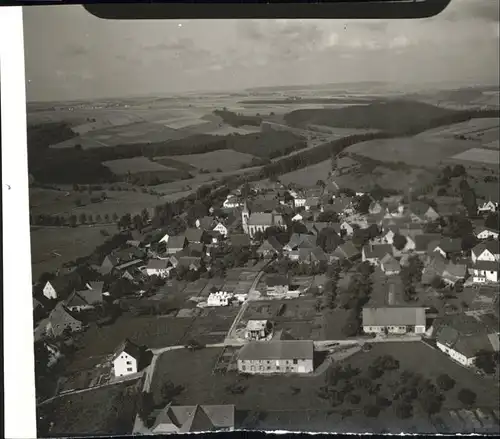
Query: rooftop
(394,316)
(277,350)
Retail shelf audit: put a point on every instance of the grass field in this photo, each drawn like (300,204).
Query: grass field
(69,243)
(105,411)
(136,164)
(225,160)
(415,151)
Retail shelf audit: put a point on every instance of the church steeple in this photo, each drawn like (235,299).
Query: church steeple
(245,215)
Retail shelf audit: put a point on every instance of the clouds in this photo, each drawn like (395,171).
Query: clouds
(122,57)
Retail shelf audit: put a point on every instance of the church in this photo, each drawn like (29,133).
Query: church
(254,222)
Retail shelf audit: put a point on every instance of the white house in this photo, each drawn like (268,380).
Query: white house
(486,233)
(258,330)
(219,298)
(158,267)
(126,359)
(231,202)
(394,320)
(487,206)
(347,228)
(485,271)
(486,251)
(164,238)
(221,228)
(49,291)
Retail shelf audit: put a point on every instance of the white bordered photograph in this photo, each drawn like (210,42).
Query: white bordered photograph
(264,224)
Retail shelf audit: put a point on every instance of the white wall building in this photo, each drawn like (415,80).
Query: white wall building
(219,298)
(126,359)
(394,320)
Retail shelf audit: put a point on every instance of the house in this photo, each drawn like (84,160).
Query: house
(57,323)
(84,300)
(389,233)
(486,251)
(312,203)
(126,359)
(194,235)
(277,285)
(137,238)
(129,264)
(239,240)
(410,233)
(303,216)
(389,265)
(60,286)
(205,223)
(281,356)
(422,212)
(376,207)
(191,263)
(394,320)
(300,240)
(193,419)
(461,337)
(454,273)
(436,266)
(447,247)
(373,253)
(485,271)
(299,200)
(165,238)
(196,249)
(423,240)
(483,233)
(347,251)
(231,202)
(176,244)
(340,205)
(347,229)
(270,246)
(158,267)
(487,206)
(257,330)
(219,298)
(259,222)
(315,228)
(221,228)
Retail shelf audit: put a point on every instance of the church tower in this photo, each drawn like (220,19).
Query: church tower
(245,215)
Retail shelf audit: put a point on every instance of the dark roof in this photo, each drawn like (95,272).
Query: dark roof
(128,347)
(486,265)
(239,240)
(187,261)
(195,247)
(176,241)
(422,241)
(193,235)
(75,299)
(377,251)
(277,350)
(491,245)
(347,250)
(301,240)
(450,245)
(207,222)
(386,316)
(418,208)
(270,244)
(158,264)
(276,280)
(91,296)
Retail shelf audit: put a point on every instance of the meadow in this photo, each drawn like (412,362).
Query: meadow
(133,165)
(225,160)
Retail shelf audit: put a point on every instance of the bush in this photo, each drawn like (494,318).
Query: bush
(467,397)
(445,382)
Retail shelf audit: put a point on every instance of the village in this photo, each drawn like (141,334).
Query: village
(280,282)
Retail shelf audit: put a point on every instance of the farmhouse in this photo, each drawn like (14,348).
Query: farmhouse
(193,418)
(257,330)
(447,247)
(219,298)
(485,271)
(84,299)
(347,251)
(462,337)
(373,253)
(487,206)
(60,286)
(277,285)
(158,267)
(126,359)
(57,323)
(283,356)
(394,320)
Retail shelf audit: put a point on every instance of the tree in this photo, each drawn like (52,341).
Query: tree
(437,283)
(399,242)
(146,405)
(371,411)
(320,183)
(492,221)
(328,239)
(445,382)
(468,198)
(83,218)
(458,171)
(467,397)
(169,391)
(138,223)
(485,361)
(363,204)
(115,216)
(72,221)
(403,410)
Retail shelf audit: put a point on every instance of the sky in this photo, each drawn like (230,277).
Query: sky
(71,54)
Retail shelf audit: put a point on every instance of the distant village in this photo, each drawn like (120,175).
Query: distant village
(421,260)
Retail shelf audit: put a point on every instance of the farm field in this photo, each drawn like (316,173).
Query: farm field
(69,243)
(479,156)
(224,130)
(414,151)
(134,165)
(105,411)
(482,129)
(226,160)
(64,203)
